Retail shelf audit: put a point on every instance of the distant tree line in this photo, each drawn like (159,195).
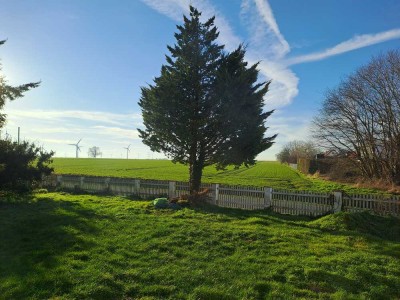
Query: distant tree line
(294,150)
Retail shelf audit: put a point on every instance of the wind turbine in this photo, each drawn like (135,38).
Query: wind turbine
(127,150)
(78,148)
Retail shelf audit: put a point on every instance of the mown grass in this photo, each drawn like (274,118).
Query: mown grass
(63,246)
(266,173)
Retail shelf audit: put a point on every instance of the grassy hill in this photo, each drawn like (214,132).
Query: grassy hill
(62,246)
(264,173)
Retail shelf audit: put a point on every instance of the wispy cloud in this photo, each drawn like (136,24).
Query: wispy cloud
(172,8)
(357,42)
(117,132)
(284,86)
(93,116)
(268,46)
(58,141)
(268,27)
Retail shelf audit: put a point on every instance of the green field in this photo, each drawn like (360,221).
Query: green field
(270,174)
(62,246)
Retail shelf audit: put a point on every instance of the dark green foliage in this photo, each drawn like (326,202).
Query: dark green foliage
(23,164)
(206,107)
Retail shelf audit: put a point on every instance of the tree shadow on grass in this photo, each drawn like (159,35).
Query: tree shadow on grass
(368,239)
(33,237)
(242,214)
(363,224)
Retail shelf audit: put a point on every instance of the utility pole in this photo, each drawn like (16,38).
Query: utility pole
(18,134)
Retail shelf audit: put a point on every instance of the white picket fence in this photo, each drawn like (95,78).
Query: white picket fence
(378,204)
(250,198)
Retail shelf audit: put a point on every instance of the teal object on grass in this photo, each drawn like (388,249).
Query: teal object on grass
(161,203)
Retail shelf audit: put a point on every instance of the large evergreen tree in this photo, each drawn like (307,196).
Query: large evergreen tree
(206,107)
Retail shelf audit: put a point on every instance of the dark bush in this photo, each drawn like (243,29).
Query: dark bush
(23,165)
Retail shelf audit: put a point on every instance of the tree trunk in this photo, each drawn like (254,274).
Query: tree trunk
(195,173)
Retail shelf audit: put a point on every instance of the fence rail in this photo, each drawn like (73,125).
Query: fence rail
(251,198)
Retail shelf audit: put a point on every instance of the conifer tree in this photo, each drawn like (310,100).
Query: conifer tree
(206,107)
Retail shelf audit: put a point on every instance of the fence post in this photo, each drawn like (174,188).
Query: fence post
(171,189)
(59,180)
(137,186)
(267,197)
(81,182)
(338,201)
(215,193)
(107,183)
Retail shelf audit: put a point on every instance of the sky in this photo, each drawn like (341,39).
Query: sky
(92,57)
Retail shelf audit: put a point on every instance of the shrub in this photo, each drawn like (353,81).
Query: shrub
(23,165)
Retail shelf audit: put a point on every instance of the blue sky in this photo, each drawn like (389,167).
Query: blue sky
(93,56)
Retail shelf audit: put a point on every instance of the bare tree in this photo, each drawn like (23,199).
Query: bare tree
(94,152)
(362,117)
(297,149)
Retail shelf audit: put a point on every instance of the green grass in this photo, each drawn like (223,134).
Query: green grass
(266,173)
(63,246)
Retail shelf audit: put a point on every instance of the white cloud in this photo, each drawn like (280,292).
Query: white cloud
(117,132)
(357,42)
(51,130)
(57,141)
(265,11)
(94,116)
(284,84)
(269,46)
(172,9)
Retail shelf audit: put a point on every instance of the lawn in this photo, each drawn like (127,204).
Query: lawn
(63,246)
(265,173)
